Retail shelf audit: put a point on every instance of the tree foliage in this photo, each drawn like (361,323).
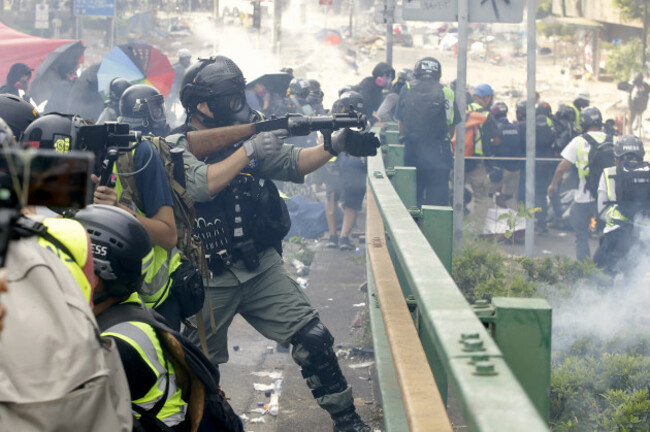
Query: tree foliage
(625,60)
(632,9)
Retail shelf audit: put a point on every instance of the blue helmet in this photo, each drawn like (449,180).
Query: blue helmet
(483,90)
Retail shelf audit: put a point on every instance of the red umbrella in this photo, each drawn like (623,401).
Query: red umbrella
(20,47)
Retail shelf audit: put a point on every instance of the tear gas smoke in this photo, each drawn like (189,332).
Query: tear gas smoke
(606,313)
(301,50)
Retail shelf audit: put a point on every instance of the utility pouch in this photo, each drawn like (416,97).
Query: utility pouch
(249,255)
(214,234)
(187,287)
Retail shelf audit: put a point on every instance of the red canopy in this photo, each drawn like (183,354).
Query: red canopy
(17,47)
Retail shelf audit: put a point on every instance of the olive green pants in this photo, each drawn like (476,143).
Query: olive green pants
(275,305)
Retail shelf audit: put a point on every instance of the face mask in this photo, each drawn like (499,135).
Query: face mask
(380,81)
(230,110)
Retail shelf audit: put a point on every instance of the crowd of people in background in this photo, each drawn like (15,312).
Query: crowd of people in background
(140,252)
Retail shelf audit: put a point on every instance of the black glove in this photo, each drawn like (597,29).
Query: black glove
(355,143)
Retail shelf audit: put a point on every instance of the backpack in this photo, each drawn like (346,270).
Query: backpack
(423,112)
(57,372)
(200,385)
(544,136)
(601,156)
(187,284)
(189,246)
(633,190)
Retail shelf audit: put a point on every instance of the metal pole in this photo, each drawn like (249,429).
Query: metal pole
(645,35)
(389,31)
(461,100)
(277,23)
(530,127)
(351,16)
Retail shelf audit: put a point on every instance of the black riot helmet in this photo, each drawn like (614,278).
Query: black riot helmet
(427,68)
(189,94)
(566,113)
(629,145)
(116,88)
(122,251)
(499,110)
(221,85)
(17,113)
(316,94)
(590,117)
(520,110)
(142,107)
(543,108)
(54,131)
(349,100)
(298,87)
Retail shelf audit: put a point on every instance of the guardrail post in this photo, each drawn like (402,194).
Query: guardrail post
(395,155)
(391,137)
(437,226)
(522,329)
(403,181)
(391,126)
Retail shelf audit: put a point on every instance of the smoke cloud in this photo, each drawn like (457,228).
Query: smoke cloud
(609,312)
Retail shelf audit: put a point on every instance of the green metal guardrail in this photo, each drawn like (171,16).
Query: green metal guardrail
(458,346)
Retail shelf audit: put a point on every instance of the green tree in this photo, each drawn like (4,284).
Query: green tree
(632,9)
(625,60)
(544,8)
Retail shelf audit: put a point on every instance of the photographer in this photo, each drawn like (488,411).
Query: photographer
(62,133)
(242,220)
(46,263)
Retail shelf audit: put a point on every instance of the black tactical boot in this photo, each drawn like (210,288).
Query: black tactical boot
(349,421)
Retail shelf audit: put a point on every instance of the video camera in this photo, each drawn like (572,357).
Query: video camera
(106,141)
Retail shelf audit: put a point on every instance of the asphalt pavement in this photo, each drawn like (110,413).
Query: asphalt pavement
(333,285)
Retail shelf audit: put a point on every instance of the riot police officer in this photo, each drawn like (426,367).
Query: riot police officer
(112,110)
(142,107)
(426,112)
(242,221)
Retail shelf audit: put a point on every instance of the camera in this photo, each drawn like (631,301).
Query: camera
(45,178)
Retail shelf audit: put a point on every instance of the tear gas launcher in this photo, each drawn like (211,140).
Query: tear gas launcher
(205,142)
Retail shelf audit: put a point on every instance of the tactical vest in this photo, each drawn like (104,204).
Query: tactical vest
(611,214)
(510,145)
(478,141)
(142,337)
(245,218)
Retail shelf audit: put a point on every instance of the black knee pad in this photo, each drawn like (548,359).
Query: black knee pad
(314,336)
(322,361)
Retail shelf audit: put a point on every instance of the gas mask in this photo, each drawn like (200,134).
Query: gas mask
(228,110)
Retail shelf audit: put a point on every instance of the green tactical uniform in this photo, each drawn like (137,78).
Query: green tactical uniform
(267,297)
